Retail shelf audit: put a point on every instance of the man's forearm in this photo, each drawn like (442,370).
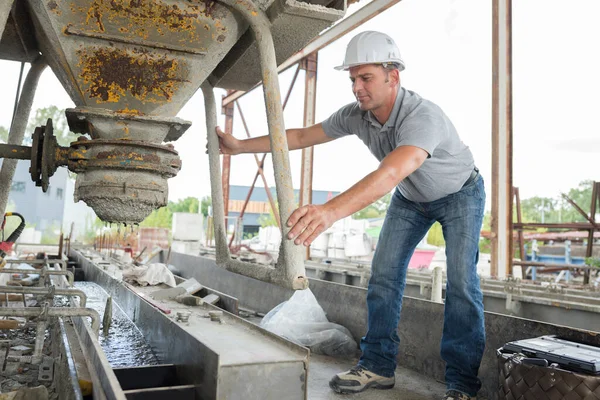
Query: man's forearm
(392,170)
(262,144)
(367,191)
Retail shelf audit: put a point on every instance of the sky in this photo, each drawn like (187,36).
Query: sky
(447,47)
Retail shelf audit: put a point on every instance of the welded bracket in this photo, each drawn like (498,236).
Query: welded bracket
(289,271)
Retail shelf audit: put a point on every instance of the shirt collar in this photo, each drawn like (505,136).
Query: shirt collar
(391,121)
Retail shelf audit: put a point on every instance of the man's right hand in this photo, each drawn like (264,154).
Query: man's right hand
(228,144)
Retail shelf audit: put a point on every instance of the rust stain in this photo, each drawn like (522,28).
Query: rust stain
(114,73)
(127,157)
(128,111)
(53,6)
(142,18)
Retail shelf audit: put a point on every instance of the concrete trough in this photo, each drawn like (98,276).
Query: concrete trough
(232,359)
(420,327)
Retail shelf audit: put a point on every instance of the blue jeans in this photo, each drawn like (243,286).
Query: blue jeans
(405,225)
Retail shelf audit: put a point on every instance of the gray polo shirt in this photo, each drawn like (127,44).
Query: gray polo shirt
(414,121)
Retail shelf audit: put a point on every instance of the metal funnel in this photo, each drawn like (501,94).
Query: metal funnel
(130,66)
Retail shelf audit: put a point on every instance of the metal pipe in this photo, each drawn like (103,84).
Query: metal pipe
(41,272)
(44,292)
(578,226)
(291,257)
(501,223)
(309,65)
(222,254)
(260,171)
(10,151)
(552,265)
(24,312)
(589,251)
(18,93)
(210,109)
(437,280)
(5,7)
(225,177)
(520,232)
(40,335)
(17,129)
(348,24)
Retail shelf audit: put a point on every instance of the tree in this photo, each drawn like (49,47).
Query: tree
(268,219)
(538,209)
(582,196)
(163,217)
(3,134)
(187,205)
(375,210)
(205,203)
(59,123)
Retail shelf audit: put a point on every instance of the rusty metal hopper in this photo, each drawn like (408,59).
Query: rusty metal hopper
(142,57)
(130,66)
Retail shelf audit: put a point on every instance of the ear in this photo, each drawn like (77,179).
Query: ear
(395,77)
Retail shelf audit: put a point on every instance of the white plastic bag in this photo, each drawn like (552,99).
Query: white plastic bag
(151,274)
(302,320)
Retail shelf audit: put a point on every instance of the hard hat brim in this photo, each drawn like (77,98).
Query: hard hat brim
(344,67)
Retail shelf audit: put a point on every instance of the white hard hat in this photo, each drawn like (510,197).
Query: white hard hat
(371,48)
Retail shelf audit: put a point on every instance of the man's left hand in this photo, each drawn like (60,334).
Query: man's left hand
(308,222)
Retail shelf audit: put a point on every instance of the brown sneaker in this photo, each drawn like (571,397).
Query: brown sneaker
(357,379)
(456,395)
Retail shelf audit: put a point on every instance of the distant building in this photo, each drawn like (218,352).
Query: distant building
(259,204)
(44,210)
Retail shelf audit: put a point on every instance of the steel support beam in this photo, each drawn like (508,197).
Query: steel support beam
(309,65)
(17,129)
(5,7)
(227,110)
(501,223)
(348,24)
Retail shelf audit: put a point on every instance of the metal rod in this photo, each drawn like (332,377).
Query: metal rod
(260,171)
(18,93)
(17,129)
(520,232)
(44,292)
(589,251)
(309,65)
(247,200)
(53,312)
(501,223)
(543,264)
(292,84)
(222,254)
(14,152)
(579,210)
(41,272)
(40,335)
(578,226)
(226,175)
(290,270)
(5,7)
(346,25)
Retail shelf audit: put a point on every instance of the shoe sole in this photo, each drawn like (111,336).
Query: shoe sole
(347,389)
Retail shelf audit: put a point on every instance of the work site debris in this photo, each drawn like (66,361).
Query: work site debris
(151,274)
(302,320)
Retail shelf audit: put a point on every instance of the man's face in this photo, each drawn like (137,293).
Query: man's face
(371,85)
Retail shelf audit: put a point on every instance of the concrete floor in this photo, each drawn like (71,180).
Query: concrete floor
(409,384)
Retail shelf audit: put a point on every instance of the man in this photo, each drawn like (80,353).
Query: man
(433,172)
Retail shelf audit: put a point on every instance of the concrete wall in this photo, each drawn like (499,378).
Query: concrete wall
(420,327)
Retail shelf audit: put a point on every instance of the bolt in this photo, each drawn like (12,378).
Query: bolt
(183,316)
(215,315)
